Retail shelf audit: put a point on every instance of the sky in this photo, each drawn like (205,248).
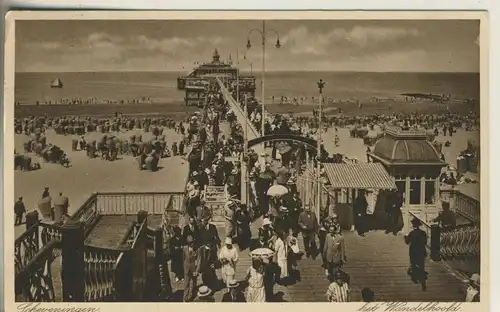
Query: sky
(327,45)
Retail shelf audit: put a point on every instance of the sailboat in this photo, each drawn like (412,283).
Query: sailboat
(57,83)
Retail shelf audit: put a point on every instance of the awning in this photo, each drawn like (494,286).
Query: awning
(359,176)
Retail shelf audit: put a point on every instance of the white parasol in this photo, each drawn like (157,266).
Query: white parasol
(262,253)
(277,190)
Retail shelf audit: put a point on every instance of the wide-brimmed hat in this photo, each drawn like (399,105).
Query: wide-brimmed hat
(416,222)
(228,241)
(195,173)
(475,278)
(234,171)
(204,291)
(266,221)
(284,209)
(232,284)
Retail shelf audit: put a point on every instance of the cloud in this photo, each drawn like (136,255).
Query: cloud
(173,44)
(301,41)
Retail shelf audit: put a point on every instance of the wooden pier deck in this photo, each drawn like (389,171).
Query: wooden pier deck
(378,261)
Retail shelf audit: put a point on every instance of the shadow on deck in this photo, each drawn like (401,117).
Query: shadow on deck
(378,261)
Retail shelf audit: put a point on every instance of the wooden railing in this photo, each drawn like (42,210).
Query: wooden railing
(467,206)
(460,243)
(100,273)
(457,243)
(33,282)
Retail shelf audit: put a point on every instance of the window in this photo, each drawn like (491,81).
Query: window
(415,190)
(430,192)
(401,185)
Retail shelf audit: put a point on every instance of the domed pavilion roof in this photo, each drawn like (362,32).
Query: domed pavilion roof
(399,147)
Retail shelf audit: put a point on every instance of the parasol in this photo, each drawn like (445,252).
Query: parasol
(283,148)
(261,253)
(277,190)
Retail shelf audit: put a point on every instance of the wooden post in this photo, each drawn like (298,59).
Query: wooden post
(435,242)
(142,215)
(161,262)
(73,265)
(124,283)
(32,218)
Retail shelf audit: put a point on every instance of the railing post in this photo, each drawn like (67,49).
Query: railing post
(124,204)
(32,218)
(161,262)
(124,283)
(435,242)
(141,216)
(73,264)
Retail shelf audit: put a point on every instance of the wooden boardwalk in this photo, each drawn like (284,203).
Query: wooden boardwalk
(378,261)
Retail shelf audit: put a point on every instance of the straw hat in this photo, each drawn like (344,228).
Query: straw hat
(475,278)
(204,291)
(228,241)
(266,221)
(233,284)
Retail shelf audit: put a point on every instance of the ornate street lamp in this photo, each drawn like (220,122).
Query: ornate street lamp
(263,34)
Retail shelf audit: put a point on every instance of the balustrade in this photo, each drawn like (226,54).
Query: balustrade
(100,266)
(467,207)
(26,247)
(460,243)
(107,274)
(33,282)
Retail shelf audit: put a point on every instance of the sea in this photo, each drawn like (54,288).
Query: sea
(162,86)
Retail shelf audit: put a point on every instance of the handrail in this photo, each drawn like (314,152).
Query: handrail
(130,229)
(41,253)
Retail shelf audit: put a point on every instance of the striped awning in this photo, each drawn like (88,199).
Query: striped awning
(359,176)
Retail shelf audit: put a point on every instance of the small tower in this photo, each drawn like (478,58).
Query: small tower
(216,57)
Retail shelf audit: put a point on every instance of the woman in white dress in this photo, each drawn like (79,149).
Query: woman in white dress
(255,278)
(281,252)
(228,257)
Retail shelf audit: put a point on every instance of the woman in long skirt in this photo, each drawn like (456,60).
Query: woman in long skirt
(228,256)
(255,278)
(281,250)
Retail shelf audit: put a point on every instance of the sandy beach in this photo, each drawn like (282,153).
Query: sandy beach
(95,175)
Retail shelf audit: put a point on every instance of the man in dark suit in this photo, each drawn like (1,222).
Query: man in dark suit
(191,229)
(334,251)
(191,268)
(417,240)
(308,223)
(234,294)
(209,242)
(19,211)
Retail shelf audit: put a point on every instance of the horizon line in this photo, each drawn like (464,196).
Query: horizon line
(255,72)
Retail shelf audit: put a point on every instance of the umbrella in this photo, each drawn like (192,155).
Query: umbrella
(277,190)
(261,253)
(283,148)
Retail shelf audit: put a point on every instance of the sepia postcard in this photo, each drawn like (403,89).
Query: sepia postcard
(160,158)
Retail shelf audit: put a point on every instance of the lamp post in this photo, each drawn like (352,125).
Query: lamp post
(321,85)
(263,34)
(249,63)
(244,171)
